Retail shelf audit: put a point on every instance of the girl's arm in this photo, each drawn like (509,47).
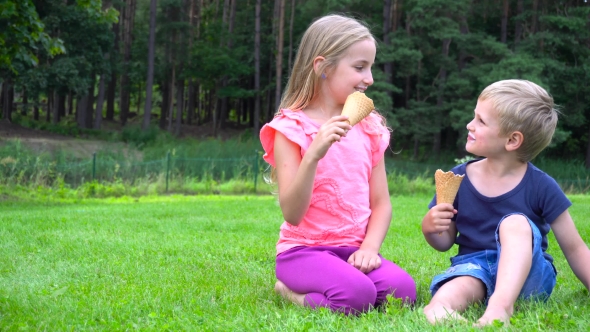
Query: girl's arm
(295,175)
(575,250)
(366,258)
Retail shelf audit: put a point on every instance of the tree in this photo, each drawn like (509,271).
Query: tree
(21,32)
(257,68)
(279,52)
(128,19)
(150,72)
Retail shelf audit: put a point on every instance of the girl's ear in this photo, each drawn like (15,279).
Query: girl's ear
(317,64)
(515,140)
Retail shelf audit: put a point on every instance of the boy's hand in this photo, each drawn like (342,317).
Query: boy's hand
(365,260)
(438,218)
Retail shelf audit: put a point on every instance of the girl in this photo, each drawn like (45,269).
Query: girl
(331,177)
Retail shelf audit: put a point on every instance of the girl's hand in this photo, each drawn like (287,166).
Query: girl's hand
(438,219)
(365,260)
(330,132)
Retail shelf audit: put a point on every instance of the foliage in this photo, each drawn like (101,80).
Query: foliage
(20,33)
(442,54)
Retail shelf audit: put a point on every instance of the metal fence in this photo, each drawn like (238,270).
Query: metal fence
(250,167)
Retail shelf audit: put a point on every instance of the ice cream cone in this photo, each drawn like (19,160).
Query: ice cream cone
(357,107)
(447,186)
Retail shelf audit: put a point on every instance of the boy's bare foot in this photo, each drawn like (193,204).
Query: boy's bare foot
(288,294)
(437,313)
(493,313)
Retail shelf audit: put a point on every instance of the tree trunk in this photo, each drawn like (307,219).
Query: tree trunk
(179,107)
(61,106)
(257,68)
(535,15)
(387,66)
(504,23)
(25,108)
(440,99)
(518,23)
(229,13)
(81,108)
(48,107)
(291,20)
(163,104)
(8,92)
(70,108)
(90,106)
(2,98)
(464,28)
(147,113)
(112,86)
(55,108)
(99,103)
(36,109)
(191,82)
(171,99)
(279,59)
(199,113)
(397,11)
(125,89)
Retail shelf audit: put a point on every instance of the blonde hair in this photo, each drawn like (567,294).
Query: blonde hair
(329,37)
(525,107)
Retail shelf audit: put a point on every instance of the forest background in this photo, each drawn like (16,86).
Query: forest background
(211,66)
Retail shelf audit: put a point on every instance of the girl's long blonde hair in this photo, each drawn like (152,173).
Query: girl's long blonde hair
(329,37)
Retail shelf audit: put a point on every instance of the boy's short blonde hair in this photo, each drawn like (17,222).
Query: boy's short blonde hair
(525,107)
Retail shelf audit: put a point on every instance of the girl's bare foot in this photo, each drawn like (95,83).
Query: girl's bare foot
(288,294)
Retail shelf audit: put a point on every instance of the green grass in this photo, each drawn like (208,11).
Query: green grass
(206,263)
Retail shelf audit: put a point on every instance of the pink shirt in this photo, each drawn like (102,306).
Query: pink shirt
(339,209)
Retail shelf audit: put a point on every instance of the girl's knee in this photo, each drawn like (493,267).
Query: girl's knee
(403,287)
(354,297)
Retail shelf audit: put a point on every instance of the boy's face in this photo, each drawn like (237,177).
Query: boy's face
(353,71)
(484,138)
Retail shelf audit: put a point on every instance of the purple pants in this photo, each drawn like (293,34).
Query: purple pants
(329,281)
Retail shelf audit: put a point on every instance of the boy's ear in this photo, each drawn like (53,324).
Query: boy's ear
(515,140)
(316,64)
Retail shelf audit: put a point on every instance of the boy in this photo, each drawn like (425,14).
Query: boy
(503,211)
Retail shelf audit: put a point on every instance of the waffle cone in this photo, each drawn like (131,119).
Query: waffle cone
(447,186)
(357,107)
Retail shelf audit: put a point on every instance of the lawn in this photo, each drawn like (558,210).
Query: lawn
(206,263)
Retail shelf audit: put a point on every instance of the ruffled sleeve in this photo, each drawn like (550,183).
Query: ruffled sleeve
(379,135)
(294,125)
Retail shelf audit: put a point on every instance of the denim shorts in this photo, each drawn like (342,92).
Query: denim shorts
(483,265)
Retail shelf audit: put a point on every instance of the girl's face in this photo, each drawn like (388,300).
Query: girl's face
(353,71)
(484,137)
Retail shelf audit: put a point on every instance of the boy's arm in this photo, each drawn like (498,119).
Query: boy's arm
(366,258)
(438,229)
(575,250)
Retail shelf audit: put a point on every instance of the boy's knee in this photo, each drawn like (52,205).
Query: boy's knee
(515,224)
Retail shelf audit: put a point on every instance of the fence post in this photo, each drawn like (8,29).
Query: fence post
(255,169)
(167,169)
(93,166)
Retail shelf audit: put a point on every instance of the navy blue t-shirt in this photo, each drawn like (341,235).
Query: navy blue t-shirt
(537,196)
